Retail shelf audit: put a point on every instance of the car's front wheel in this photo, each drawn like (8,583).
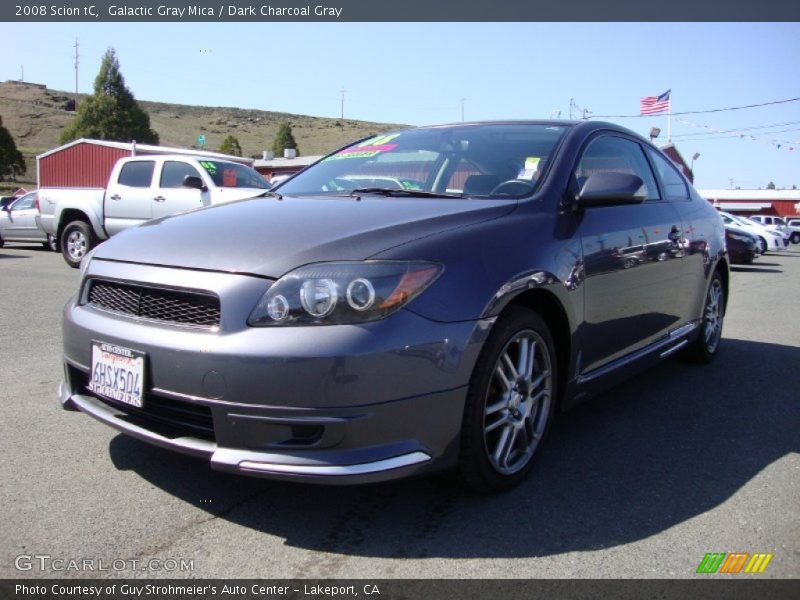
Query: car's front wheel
(509,402)
(795,239)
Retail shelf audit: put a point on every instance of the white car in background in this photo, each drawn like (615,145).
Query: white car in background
(768,239)
(778,225)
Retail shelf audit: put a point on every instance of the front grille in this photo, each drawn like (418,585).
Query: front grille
(166,416)
(183,307)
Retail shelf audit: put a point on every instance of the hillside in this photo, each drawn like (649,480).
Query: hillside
(36,116)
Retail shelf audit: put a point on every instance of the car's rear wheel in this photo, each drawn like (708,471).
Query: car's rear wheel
(75,241)
(705,348)
(509,402)
(50,244)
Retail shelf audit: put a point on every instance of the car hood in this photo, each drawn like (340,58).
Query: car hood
(229,194)
(269,237)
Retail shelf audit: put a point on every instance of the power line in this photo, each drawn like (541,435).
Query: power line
(715,132)
(699,112)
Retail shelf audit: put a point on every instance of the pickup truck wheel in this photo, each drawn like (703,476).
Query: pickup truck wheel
(795,239)
(75,241)
(2,243)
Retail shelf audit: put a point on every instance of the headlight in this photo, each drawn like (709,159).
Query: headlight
(342,292)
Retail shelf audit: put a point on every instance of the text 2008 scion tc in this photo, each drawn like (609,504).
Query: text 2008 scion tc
(419,300)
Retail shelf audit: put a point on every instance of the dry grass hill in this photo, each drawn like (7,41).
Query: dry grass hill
(35,117)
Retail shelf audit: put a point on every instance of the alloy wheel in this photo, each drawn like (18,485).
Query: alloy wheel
(517,402)
(712,329)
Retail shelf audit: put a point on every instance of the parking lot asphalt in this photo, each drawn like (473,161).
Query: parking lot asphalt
(639,482)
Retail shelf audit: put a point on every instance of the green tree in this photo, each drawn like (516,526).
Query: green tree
(284,139)
(111,113)
(230,145)
(11,160)
(770,186)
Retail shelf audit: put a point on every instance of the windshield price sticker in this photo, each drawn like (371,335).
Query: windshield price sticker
(367,149)
(117,373)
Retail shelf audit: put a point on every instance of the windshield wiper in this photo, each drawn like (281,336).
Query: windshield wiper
(270,193)
(402,193)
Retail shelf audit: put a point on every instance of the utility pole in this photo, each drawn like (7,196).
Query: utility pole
(76,73)
(571,103)
(462,109)
(22,73)
(343,91)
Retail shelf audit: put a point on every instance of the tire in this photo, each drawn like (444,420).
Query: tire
(795,239)
(51,244)
(705,348)
(2,242)
(508,413)
(75,241)
(763,244)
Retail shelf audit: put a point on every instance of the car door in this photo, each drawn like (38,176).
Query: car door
(698,232)
(19,223)
(172,196)
(129,199)
(632,258)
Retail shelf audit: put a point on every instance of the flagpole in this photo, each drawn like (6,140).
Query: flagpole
(669,119)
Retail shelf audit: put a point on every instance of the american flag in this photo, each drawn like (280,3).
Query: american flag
(652,105)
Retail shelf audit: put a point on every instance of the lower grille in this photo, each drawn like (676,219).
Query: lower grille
(182,307)
(166,416)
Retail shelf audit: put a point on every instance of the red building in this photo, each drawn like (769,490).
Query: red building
(88,163)
(782,203)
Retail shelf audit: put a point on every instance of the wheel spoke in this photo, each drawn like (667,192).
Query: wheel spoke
(540,379)
(503,379)
(510,366)
(505,446)
(501,421)
(522,358)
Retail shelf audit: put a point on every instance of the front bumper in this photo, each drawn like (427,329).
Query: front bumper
(337,404)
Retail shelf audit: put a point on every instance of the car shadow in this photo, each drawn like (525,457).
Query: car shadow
(4,255)
(662,448)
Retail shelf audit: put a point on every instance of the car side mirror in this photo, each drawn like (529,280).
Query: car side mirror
(193,181)
(607,188)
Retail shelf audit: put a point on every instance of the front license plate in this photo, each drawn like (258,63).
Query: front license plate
(117,373)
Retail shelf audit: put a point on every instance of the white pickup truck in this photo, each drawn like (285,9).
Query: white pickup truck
(141,188)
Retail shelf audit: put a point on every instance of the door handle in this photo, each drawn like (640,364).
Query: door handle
(159,199)
(116,197)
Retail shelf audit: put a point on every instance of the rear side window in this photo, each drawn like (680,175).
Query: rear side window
(674,185)
(137,174)
(616,155)
(173,172)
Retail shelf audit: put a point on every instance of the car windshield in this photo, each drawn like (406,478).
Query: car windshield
(484,161)
(228,174)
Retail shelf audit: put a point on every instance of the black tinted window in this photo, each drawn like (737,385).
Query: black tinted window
(137,174)
(173,172)
(674,185)
(617,155)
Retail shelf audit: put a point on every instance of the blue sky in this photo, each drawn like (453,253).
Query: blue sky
(418,73)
